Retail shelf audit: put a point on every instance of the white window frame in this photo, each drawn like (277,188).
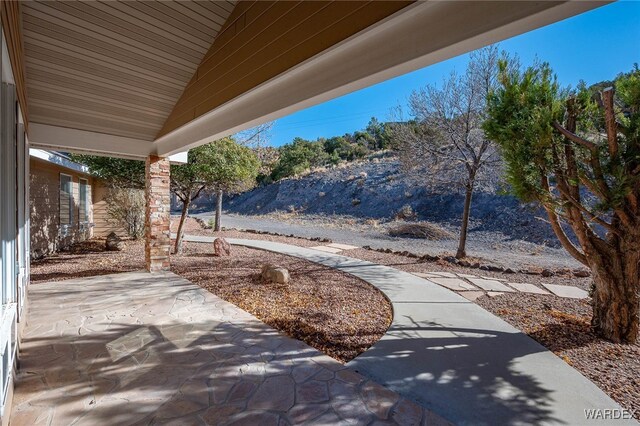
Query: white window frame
(65,228)
(9,234)
(83,182)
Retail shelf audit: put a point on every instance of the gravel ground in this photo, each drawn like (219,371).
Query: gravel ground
(560,324)
(88,259)
(334,312)
(491,246)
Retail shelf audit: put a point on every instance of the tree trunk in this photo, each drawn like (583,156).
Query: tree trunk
(462,244)
(616,300)
(219,194)
(183,217)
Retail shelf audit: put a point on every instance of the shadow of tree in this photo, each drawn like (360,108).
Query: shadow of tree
(122,349)
(465,374)
(452,356)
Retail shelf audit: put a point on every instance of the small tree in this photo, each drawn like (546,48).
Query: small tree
(187,183)
(223,165)
(577,153)
(125,182)
(126,206)
(380,134)
(444,143)
(298,156)
(231,167)
(116,172)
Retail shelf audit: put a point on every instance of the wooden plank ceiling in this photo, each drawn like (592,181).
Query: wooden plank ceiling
(115,67)
(10,11)
(266,38)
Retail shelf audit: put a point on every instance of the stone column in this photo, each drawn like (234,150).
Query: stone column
(157,245)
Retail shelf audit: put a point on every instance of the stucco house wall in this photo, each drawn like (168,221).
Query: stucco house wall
(103,224)
(48,234)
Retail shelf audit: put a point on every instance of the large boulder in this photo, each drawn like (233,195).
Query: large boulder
(113,242)
(275,274)
(221,247)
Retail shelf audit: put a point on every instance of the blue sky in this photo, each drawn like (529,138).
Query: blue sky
(594,46)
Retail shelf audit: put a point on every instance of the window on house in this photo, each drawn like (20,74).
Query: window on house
(66,200)
(83,202)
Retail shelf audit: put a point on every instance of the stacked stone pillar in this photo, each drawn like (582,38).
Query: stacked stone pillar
(157,245)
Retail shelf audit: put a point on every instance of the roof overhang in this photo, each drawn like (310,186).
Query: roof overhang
(58,160)
(47,137)
(410,38)
(417,36)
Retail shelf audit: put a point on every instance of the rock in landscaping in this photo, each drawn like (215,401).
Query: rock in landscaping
(113,242)
(582,273)
(494,268)
(275,274)
(221,247)
(424,230)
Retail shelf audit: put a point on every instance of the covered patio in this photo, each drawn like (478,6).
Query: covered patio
(136,348)
(148,81)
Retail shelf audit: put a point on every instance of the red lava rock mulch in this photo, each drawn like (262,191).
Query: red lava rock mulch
(334,312)
(87,259)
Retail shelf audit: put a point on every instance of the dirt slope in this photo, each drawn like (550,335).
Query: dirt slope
(378,189)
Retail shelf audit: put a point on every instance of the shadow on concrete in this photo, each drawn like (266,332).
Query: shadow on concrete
(465,374)
(84,378)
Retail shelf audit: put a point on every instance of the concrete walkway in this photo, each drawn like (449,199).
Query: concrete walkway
(457,359)
(509,253)
(137,348)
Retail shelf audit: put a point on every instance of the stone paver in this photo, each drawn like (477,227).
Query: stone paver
(471,295)
(327,249)
(139,348)
(495,286)
(444,274)
(455,284)
(528,288)
(567,291)
(452,356)
(342,246)
(490,285)
(466,275)
(426,275)
(494,278)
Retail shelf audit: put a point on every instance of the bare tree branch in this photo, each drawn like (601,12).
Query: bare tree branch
(574,138)
(610,121)
(558,230)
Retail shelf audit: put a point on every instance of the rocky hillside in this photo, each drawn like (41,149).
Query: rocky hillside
(378,189)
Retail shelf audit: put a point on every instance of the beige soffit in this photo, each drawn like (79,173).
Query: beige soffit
(417,36)
(114,67)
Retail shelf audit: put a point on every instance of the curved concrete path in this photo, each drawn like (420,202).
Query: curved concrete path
(457,359)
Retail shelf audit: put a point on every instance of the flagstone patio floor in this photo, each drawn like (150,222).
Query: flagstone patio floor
(139,348)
